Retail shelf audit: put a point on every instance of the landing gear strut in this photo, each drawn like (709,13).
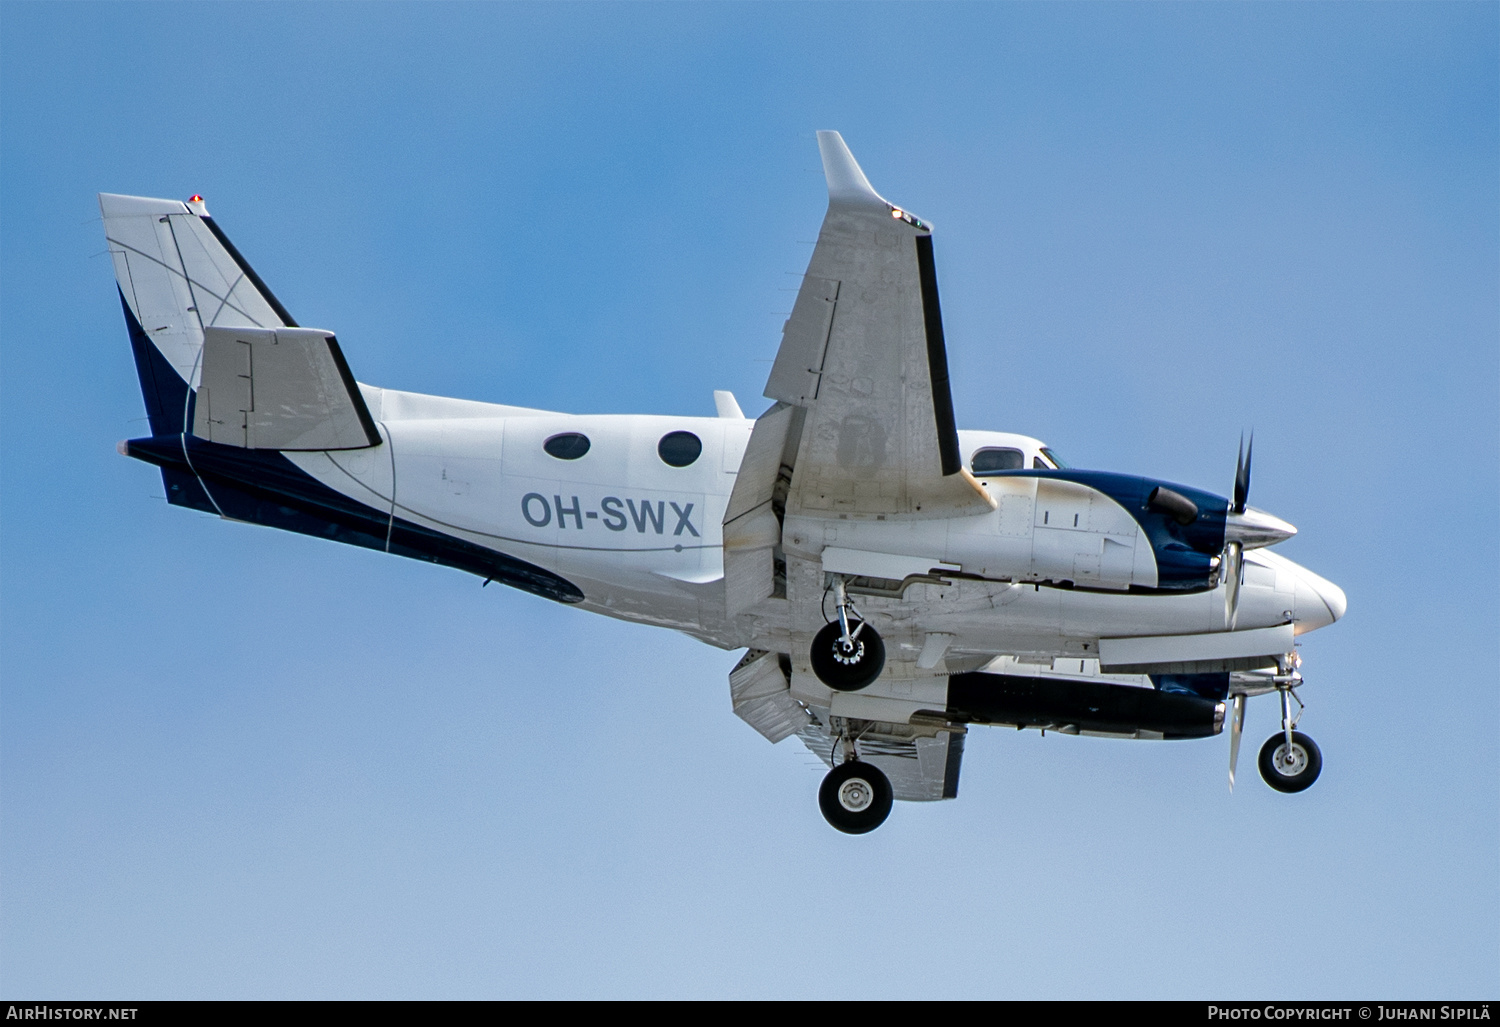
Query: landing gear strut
(1290,761)
(847,654)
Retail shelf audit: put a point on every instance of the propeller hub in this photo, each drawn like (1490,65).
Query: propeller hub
(1254,528)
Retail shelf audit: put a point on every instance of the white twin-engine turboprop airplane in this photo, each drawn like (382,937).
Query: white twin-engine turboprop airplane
(893,579)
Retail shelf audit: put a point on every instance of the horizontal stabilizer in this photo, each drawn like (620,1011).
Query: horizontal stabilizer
(283,388)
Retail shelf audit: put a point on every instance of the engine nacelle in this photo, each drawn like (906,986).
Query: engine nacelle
(1082,707)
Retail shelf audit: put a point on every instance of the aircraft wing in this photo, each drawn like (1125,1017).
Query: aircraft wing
(863,355)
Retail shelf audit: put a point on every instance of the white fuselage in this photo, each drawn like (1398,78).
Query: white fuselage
(643,540)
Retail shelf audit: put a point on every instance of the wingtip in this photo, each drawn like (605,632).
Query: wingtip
(847,184)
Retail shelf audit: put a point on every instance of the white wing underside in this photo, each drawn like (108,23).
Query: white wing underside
(863,424)
(863,354)
(862,428)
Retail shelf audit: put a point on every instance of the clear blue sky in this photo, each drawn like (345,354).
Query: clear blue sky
(236,763)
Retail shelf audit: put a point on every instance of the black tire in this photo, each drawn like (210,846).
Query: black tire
(1308,762)
(855,797)
(847,671)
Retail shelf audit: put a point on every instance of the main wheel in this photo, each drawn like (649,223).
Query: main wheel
(855,797)
(847,667)
(1290,770)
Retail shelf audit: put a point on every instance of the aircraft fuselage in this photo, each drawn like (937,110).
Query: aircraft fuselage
(1050,570)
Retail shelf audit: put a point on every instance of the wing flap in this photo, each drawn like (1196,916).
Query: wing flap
(921,767)
(762,698)
(752,527)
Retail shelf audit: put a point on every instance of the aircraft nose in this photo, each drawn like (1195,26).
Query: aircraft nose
(1334,599)
(1319,601)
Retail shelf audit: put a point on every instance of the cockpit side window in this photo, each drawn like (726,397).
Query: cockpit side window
(989,461)
(1037,465)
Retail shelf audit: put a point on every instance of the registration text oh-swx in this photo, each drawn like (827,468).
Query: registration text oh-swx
(645,516)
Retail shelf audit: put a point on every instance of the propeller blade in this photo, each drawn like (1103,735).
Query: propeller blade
(1231,562)
(1242,475)
(1236,726)
(1232,568)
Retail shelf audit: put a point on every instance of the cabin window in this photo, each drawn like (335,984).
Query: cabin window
(988,461)
(679,448)
(568,446)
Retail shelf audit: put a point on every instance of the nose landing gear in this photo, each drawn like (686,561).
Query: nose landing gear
(1290,761)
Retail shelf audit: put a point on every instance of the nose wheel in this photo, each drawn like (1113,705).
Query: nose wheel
(855,797)
(1290,767)
(1290,761)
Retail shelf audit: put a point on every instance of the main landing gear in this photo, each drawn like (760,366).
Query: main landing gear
(847,654)
(855,796)
(1290,761)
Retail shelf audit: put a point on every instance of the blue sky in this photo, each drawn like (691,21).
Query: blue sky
(235,763)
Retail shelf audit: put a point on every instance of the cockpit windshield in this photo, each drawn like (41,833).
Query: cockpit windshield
(988,461)
(998,459)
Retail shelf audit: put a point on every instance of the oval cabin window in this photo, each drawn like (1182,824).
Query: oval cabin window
(679,448)
(567,446)
(988,461)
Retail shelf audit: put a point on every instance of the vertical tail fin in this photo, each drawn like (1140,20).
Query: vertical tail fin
(178,274)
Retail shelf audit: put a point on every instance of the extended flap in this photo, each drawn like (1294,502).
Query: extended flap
(283,388)
(922,764)
(758,689)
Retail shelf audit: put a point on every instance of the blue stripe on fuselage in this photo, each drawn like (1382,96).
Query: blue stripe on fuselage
(166,394)
(169,409)
(264,487)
